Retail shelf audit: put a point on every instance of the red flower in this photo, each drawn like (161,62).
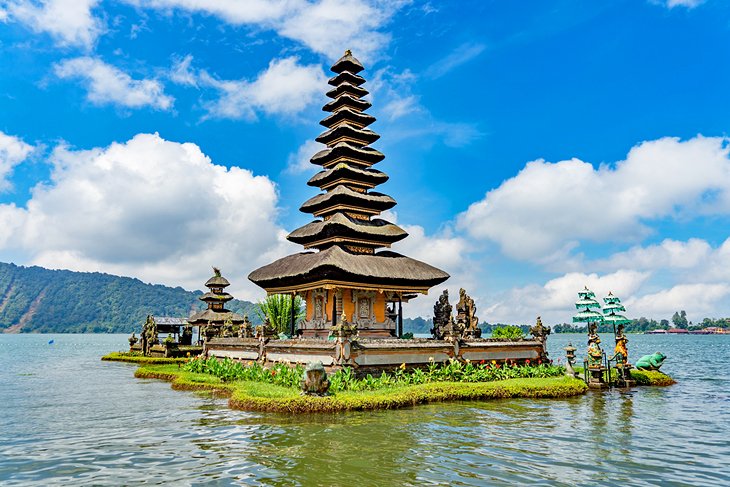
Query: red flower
(527,361)
(482,362)
(539,361)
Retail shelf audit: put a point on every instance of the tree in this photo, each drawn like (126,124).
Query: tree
(664,324)
(277,308)
(680,319)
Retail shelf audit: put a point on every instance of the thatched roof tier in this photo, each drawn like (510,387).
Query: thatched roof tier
(346,100)
(217,281)
(342,229)
(334,266)
(346,77)
(346,174)
(348,88)
(348,133)
(342,197)
(344,152)
(215,297)
(215,317)
(349,63)
(348,115)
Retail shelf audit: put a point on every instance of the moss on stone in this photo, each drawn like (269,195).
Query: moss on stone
(651,378)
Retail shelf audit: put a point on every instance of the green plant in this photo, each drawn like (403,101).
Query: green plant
(511,332)
(277,308)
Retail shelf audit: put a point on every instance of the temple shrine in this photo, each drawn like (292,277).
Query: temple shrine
(345,273)
(215,319)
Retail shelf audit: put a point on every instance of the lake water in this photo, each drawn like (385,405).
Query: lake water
(70,419)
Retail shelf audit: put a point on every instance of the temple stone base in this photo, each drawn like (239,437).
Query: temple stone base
(366,354)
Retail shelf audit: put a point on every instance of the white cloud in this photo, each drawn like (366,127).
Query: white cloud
(150,208)
(554,301)
(699,300)
(683,3)
(13,151)
(107,84)
(299,161)
(669,254)
(3,15)
(70,22)
(284,88)
(324,26)
(459,56)
(547,209)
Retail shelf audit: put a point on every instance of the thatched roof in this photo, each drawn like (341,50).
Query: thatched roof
(346,87)
(364,136)
(370,177)
(348,63)
(353,116)
(347,101)
(342,195)
(212,297)
(340,225)
(217,281)
(342,149)
(203,317)
(348,77)
(388,270)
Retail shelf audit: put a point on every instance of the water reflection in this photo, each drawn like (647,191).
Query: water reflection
(83,422)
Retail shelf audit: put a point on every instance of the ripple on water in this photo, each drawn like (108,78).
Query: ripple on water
(70,419)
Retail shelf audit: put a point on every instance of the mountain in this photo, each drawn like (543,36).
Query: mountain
(34,299)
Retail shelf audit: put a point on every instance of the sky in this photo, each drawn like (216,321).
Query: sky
(533,147)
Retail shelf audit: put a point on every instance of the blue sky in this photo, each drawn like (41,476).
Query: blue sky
(533,147)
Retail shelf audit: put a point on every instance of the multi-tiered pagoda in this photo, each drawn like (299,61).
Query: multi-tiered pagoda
(216,315)
(344,272)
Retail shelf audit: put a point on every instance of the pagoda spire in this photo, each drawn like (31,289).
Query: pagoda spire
(347,208)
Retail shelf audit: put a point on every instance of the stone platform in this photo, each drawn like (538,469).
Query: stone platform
(374,353)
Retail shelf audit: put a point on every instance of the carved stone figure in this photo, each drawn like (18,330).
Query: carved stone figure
(132,340)
(595,354)
(540,333)
(442,319)
(314,381)
(150,334)
(227,329)
(186,338)
(267,331)
(246,328)
(651,362)
(466,318)
(621,353)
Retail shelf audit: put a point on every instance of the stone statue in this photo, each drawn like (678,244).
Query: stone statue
(466,319)
(227,329)
(266,331)
(651,362)
(151,338)
(442,316)
(246,329)
(314,381)
(540,333)
(595,354)
(132,340)
(621,353)
(187,335)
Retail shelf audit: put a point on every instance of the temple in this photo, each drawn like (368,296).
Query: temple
(345,272)
(215,317)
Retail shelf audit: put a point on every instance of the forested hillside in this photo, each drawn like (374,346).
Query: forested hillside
(34,299)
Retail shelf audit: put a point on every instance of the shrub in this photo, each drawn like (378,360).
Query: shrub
(510,331)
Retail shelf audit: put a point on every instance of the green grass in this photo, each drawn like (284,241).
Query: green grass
(141,359)
(651,378)
(642,377)
(263,396)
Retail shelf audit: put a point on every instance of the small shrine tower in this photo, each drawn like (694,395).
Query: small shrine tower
(216,299)
(344,273)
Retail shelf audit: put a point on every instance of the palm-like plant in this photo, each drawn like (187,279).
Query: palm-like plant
(277,308)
